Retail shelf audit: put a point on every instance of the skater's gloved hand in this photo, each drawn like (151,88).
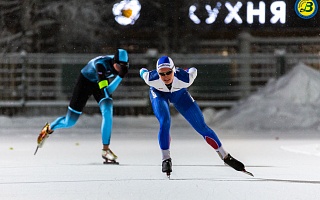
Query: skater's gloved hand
(142,71)
(123,70)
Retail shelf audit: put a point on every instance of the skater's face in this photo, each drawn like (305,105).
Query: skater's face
(166,75)
(118,67)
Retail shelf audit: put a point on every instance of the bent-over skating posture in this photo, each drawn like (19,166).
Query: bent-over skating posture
(169,84)
(94,79)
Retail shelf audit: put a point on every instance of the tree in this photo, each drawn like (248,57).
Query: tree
(81,26)
(50,26)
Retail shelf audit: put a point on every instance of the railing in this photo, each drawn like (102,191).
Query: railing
(47,80)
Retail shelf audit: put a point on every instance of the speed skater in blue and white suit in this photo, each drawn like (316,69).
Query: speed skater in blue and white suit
(169,84)
(94,79)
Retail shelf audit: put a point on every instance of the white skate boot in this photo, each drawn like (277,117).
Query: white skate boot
(109,156)
(44,134)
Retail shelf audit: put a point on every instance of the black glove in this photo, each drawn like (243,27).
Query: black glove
(123,71)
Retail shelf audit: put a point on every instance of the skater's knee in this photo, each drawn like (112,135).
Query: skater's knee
(165,122)
(106,106)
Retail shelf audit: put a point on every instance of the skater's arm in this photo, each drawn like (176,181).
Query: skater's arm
(122,71)
(103,81)
(143,72)
(185,77)
(151,78)
(192,73)
(114,84)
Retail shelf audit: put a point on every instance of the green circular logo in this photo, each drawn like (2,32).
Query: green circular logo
(306,9)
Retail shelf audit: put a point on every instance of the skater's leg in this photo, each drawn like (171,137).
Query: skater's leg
(81,92)
(160,106)
(106,109)
(166,154)
(195,117)
(161,110)
(192,113)
(104,99)
(67,121)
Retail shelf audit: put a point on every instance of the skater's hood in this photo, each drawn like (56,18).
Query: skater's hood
(121,56)
(165,62)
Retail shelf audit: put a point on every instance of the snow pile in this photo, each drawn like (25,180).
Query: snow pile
(290,102)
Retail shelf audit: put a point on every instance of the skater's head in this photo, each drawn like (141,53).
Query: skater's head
(121,57)
(121,62)
(165,62)
(166,69)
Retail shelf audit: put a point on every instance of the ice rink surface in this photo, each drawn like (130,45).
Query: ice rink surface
(274,132)
(69,166)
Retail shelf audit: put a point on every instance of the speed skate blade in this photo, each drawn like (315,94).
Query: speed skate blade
(36,150)
(248,173)
(110,162)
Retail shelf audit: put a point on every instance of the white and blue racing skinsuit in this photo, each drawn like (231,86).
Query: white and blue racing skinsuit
(178,95)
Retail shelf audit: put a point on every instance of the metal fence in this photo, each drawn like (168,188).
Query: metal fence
(45,81)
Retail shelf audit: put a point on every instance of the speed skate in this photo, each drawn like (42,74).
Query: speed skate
(44,134)
(167,167)
(109,157)
(235,164)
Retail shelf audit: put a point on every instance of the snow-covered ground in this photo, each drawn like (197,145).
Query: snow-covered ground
(291,102)
(275,132)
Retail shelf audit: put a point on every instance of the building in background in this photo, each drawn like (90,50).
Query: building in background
(238,46)
(175,26)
